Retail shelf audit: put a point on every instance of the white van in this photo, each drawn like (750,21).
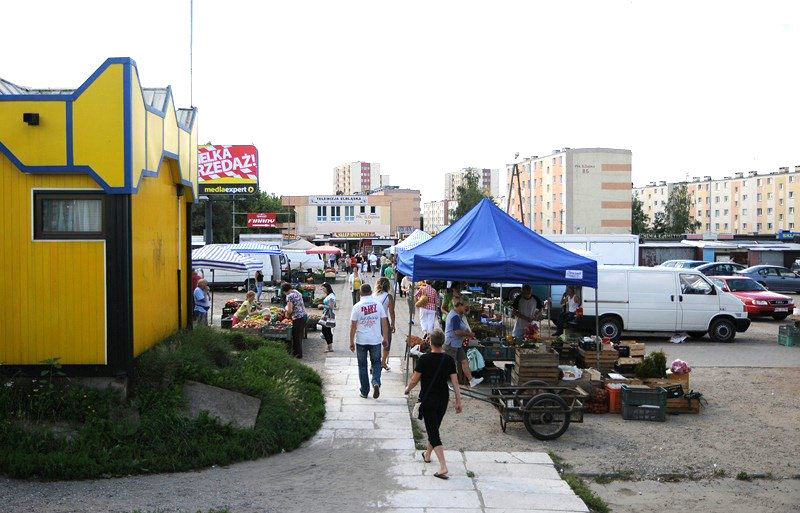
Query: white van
(299,259)
(663,299)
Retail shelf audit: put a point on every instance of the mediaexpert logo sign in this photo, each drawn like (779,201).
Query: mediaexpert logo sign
(227,169)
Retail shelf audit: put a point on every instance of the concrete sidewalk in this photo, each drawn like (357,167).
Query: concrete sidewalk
(498,482)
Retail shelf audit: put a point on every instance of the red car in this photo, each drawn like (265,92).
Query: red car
(757,300)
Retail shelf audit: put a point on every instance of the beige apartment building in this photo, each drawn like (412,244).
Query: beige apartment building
(488,179)
(745,203)
(358,177)
(436,215)
(389,212)
(574,190)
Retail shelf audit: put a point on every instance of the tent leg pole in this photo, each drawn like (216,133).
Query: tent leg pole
(410,317)
(549,311)
(211,317)
(597,325)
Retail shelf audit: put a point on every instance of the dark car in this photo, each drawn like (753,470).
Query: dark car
(682,264)
(720,268)
(773,277)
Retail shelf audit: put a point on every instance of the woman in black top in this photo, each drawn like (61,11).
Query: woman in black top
(435,369)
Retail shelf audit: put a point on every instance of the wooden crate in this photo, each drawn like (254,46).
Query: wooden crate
(679,379)
(636,348)
(535,363)
(681,405)
(588,359)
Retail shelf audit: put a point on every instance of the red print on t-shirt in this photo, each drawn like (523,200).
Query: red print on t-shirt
(369,309)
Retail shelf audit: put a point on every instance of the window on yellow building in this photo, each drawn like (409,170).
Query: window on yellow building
(68,215)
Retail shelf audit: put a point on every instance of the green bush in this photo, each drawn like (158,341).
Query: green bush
(653,366)
(108,440)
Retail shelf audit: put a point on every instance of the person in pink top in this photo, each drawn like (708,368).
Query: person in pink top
(427,312)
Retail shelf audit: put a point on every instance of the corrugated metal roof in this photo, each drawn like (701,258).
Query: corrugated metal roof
(7,87)
(186,117)
(155,97)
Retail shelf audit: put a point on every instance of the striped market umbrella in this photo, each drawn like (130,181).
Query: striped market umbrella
(221,256)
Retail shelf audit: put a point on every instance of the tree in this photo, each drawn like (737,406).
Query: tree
(639,220)
(679,211)
(468,194)
(659,224)
(222,213)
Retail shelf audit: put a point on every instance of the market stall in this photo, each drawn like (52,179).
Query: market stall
(329,273)
(416,238)
(220,256)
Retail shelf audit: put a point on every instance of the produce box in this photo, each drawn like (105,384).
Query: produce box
(640,402)
(535,363)
(496,352)
(635,348)
(683,405)
(679,379)
(587,359)
(276,332)
(788,335)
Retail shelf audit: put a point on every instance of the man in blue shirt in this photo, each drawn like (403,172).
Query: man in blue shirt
(201,303)
(456,331)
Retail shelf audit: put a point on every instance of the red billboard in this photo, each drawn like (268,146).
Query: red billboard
(261,220)
(226,169)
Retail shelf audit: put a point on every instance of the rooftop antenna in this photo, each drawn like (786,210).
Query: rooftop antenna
(191,44)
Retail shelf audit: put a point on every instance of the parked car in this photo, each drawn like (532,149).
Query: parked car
(757,300)
(796,266)
(682,264)
(720,268)
(662,299)
(773,277)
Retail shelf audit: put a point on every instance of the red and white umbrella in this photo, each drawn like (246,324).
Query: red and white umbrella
(324,250)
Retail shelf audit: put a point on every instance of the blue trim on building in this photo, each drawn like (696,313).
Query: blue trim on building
(127,105)
(70,146)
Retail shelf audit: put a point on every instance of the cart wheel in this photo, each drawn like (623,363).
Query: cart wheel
(519,401)
(546,416)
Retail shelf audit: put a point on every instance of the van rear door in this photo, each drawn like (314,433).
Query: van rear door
(652,300)
(698,301)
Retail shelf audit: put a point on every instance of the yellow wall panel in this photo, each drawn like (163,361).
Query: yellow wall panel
(55,290)
(155,136)
(138,123)
(171,140)
(98,131)
(42,145)
(185,141)
(193,158)
(155,258)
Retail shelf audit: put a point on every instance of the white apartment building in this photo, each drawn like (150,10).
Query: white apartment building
(745,203)
(488,179)
(436,215)
(573,190)
(358,177)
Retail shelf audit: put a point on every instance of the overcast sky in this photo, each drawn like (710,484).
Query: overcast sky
(704,88)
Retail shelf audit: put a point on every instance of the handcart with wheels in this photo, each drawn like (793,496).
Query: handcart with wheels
(546,410)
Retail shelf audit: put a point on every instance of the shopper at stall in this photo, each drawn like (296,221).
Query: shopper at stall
(247,306)
(386,299)
(455,334)
(328,319)
(525,307)
(296,311)
(259,284)
(426,299)
(570,302)
(202,304)
(195,278)
(452,294)
(388,273)
(355,283)
(435,369)
(369,329)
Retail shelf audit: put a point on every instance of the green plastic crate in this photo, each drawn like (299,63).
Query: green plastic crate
(788,335)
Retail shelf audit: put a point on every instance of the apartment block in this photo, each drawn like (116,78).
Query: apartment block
(358,177)
(436,215)
(488,179)
(573,190)
(745,203)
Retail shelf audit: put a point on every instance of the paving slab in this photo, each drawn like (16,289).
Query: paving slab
(490,457)
(456,499)
(521,484)
(532,500)
(523,470)
(426,483)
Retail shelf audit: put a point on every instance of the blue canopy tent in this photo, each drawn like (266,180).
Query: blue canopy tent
(488,245)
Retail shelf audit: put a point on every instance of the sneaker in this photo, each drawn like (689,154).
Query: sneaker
(363,396)
(475,382)
(376,391)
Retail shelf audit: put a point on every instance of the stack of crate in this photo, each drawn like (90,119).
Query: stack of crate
(608,357)
(535,363)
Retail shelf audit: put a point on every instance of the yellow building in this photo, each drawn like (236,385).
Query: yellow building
(97,186)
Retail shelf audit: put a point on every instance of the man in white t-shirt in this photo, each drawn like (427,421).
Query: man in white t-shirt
(369,329)
(373,262)
(525,306)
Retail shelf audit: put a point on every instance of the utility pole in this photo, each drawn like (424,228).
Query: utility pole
(209,222)
(515,173)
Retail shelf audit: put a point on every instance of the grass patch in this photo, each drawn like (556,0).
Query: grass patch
(617,475)
(720,473)
(579,486)
(744,476)
(147,433)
